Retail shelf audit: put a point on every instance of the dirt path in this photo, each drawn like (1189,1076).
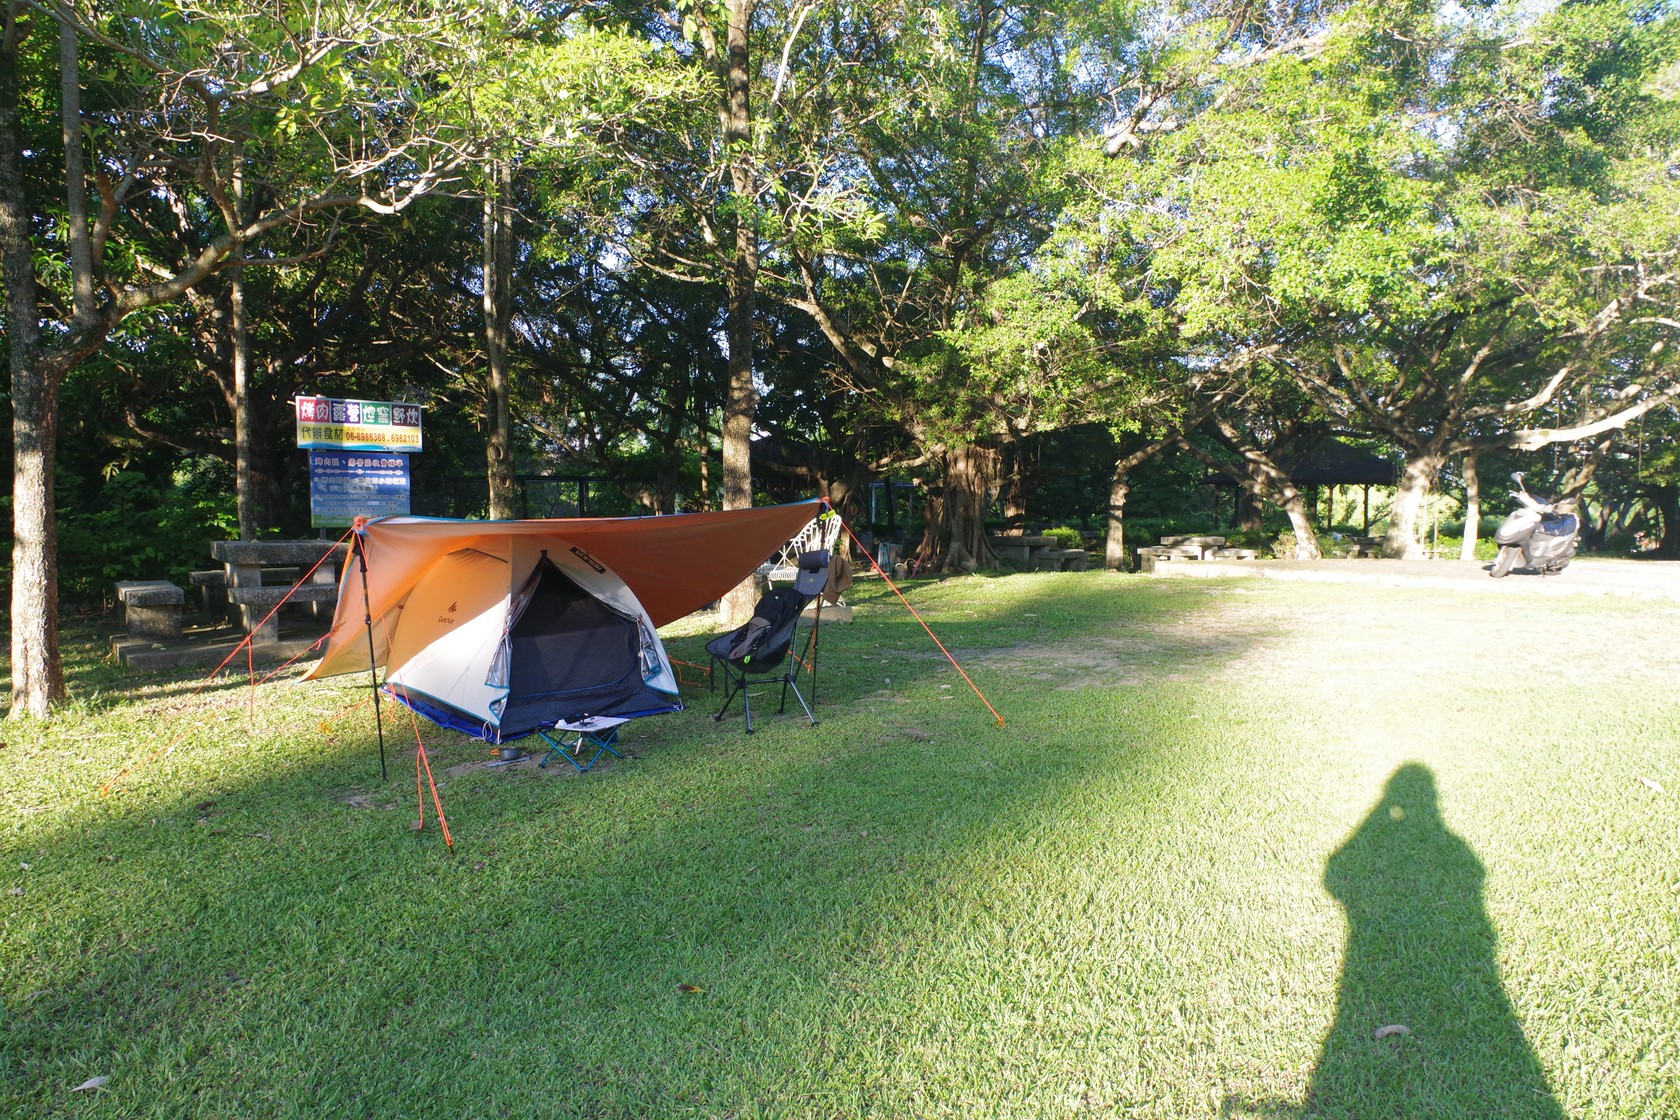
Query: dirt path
(1640,578)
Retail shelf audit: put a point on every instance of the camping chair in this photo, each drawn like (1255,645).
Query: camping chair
(761,651)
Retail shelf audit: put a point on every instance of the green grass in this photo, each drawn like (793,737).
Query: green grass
(1230,829)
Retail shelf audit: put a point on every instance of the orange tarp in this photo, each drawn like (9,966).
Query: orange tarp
(675,565)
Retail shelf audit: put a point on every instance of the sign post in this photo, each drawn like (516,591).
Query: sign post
(358,457)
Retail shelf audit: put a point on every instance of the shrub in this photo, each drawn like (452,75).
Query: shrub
(1065,537)
(133,527)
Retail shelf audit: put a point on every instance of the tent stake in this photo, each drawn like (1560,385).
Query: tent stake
(373,662)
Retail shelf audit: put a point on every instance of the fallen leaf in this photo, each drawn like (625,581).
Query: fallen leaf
(91,1083)
(1651,785)
(1384,1032)
(690,988)
(15,890)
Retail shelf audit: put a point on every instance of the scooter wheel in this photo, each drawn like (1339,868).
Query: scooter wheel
(1503,563)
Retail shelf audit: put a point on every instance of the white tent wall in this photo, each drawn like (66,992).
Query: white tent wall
(448,631)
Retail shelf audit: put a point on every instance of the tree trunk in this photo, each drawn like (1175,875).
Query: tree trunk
(1666,499)
(1137,451)
(1015,503)
(1266,478)
(932,547)
(1114,559)
(1306,538)
(37,674)
(244,481)
(498,262)
(1245,510)
(244,423)
(1263,478)
(969,473)
(1472,509)
(740,398)
(1402,540)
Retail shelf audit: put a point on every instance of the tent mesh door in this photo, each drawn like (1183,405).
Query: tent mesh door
(570,655)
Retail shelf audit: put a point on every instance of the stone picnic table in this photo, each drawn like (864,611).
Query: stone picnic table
(1190,548)
(1038,554)
(261,574)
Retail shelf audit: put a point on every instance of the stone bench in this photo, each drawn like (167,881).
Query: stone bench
(256,606)
(151,607)
(273,596)
(1233,554)
(1075,560)
(1062,560)
(1150,555)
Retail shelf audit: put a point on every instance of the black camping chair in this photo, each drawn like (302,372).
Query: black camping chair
(762,650)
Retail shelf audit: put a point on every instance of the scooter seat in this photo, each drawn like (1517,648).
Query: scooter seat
(1560,525)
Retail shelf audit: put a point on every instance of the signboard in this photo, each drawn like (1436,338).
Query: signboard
(345,485)
(346,425)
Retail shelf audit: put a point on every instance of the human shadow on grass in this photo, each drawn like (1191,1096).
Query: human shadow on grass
(1420,956)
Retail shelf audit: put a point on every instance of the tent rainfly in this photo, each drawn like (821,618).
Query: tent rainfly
(503,628)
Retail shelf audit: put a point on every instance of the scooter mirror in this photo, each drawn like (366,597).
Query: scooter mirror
(1516,477)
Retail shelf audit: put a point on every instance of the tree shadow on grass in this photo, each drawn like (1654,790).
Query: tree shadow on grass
(1420,955)
(231,940)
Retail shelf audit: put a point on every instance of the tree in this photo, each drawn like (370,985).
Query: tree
(946,304)
(343,97)
(1460,231)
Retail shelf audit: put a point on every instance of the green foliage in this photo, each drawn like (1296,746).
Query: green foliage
(1449,546)
(1065,537)
(131,527)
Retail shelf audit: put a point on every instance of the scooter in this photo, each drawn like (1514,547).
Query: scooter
(1538,534)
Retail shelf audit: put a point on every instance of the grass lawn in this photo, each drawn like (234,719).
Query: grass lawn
(1232,830)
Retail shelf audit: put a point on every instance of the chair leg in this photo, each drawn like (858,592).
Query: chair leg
(787,682)
(730,687)
(733,686)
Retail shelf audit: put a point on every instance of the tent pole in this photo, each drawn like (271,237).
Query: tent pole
(373,663)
